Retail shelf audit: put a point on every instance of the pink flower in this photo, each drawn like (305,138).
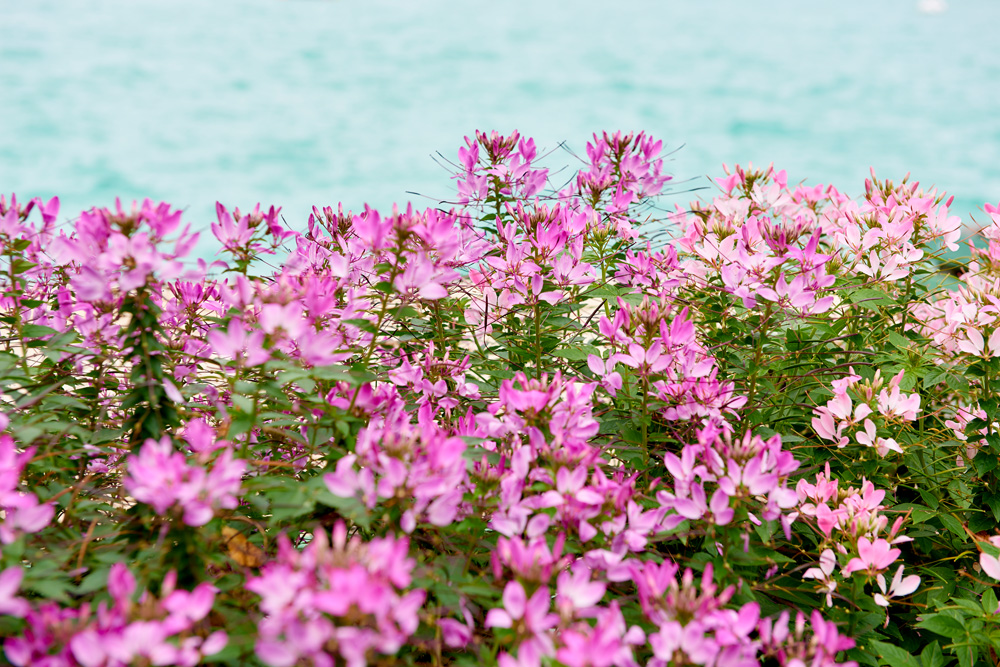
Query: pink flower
(610,380)
(608,643)
(645,360)
(239,344)
(457,634)
(423,278)
(10,580)
(121,584)
(973,343)
(872,557)
(882,445)
(22,511)
(990,565)
(162,478)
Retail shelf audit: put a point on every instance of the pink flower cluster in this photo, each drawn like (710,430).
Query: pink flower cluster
(720,473)
(243,234)
(336,597)
(795,646)
(659,343)
(572,515)
(840,416)
(692,622)
(20,511)
(508,167)
(118,250)
(772,244)
(417,466)
(851,523)
(163,478)
(154,631)
(762,242)
(694,625)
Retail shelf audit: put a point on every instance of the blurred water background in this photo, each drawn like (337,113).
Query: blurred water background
(302,102)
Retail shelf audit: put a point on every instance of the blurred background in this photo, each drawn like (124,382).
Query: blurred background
(303,102)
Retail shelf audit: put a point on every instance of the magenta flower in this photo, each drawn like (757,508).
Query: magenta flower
(233,234)
(162,478)
(22,513)
(346,593)
(646,361)
(869,438)
(576,593)
(610,380)
(607,643)
(531,614)
(457,634)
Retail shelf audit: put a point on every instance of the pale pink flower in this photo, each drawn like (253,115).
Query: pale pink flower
(899,587)
(823,574)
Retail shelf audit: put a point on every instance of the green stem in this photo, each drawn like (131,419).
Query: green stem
(538,340)
(645,417)
(440,325)
(15,294)
(758,354)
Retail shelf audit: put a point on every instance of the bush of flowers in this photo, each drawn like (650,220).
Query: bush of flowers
(524,430)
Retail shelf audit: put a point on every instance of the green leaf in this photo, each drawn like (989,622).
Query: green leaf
(966,656)
(934,377)
(870,298)
(575,353)
(893,655)
(956,382)
(981,522)
(334,372)
(919,513)
(993,501)
(350,508)
(989,601)
(38,331)
(479,590)
(604,291)
(943,625)
(501,373)
(985,464)
(48,588)
(969,605)
(95,581)
(242,403)
(363,324)
(900,342)
(931,656)
(952,524)
(290,503)
(231,652)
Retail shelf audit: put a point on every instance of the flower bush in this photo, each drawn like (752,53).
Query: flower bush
(526,430)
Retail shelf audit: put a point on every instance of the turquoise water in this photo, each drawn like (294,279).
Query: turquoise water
(298,103)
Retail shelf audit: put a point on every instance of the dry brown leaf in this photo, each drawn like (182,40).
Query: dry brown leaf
(241,550)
